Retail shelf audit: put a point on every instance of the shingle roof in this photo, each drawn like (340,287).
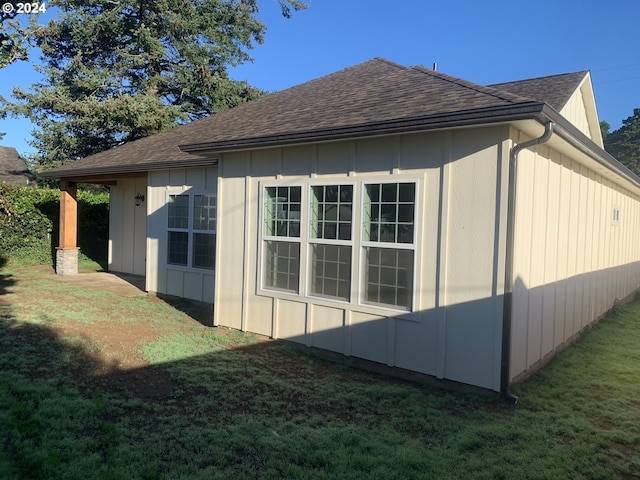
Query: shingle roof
(555,90)
(374,97)
(13,169)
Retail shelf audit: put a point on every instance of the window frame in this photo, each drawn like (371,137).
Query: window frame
(312,241)
(264,237)
(190,230)
(357,244)
(365,244)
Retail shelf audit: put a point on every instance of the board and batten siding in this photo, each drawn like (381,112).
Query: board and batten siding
(576,253)
(192,283)
(127,227)
(455,330)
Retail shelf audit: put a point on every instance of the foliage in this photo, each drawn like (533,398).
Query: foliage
(216,404)
(624,143)
(119,71)
(29,223)
(13,34)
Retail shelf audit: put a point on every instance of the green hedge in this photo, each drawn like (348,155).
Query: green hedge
(29,224)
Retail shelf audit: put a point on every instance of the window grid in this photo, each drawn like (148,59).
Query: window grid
(389,276)
(191,230)
(389,212)
(282,211)
(283,266)
(331,211)
(178,248)
(179,211)
(331,270)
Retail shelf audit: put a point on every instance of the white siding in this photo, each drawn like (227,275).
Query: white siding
(195,284)
(127,227)
(572,261)
(456,330)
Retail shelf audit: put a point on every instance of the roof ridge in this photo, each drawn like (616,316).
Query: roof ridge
(582,72)
(485,89)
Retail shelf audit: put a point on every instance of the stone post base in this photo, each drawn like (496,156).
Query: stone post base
(67,261)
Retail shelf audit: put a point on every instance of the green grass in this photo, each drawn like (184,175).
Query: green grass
(231,406)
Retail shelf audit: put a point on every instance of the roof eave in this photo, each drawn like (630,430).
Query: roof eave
(68,171)
(530,110)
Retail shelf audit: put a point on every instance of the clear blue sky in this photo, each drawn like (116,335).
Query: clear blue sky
(485,42)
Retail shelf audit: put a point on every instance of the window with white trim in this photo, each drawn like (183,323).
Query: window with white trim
(330,240)
(192,230)
(388,242)
(281,234)
(313,250)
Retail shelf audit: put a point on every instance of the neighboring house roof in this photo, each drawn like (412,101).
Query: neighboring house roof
(555,90)
(372,98)
(13,168)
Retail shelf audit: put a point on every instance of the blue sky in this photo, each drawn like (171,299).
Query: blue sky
(485,42)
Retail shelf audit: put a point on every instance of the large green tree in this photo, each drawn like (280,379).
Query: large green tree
(624,143)
(116,71)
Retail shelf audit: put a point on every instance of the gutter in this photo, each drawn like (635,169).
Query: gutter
(507,319)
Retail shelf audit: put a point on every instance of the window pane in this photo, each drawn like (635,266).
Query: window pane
(204,250)
(331,209)
(178,248)
(178,211)
(282,206)
(389,277)
(204,212)
(282,265)
(331,271)
(389,210)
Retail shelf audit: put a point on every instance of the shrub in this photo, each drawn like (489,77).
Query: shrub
(29,224)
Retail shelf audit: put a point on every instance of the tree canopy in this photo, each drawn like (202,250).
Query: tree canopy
(116,71)
(624,143)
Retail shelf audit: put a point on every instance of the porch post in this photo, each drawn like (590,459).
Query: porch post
(67,251)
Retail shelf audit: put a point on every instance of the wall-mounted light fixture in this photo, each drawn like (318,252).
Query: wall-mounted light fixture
(139,198)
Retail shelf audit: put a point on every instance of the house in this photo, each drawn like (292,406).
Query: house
(387,213)
(13,169)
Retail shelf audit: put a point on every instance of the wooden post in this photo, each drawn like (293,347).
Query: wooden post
(67,252)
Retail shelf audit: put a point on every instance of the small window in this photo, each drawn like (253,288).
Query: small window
(616,216)
(192,230)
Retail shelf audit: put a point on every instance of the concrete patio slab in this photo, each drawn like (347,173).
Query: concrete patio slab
(118,283)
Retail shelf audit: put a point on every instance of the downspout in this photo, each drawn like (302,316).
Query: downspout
(508,270)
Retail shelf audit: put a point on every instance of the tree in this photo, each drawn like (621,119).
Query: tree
(117,70)
(624,143)
(13,34)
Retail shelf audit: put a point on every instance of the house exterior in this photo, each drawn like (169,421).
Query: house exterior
(388,213)
(13,169)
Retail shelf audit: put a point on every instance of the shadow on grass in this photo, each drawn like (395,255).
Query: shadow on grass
(258,410)
(262,410)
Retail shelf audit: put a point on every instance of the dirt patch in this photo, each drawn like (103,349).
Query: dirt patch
(113,346)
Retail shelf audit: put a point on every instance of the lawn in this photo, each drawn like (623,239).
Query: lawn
(95,386)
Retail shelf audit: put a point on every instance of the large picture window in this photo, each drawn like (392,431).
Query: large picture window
(310,246)
(192,230)
(388,241)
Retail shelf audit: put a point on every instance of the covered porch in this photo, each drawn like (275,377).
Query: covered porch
(127,235)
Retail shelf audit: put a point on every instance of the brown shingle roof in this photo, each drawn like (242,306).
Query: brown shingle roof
(555,90)
(370,98)
(13,169)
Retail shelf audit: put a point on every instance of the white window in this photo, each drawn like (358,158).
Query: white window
(192,230)
(330,240)
(281,234)
(311,248)
(388,243)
